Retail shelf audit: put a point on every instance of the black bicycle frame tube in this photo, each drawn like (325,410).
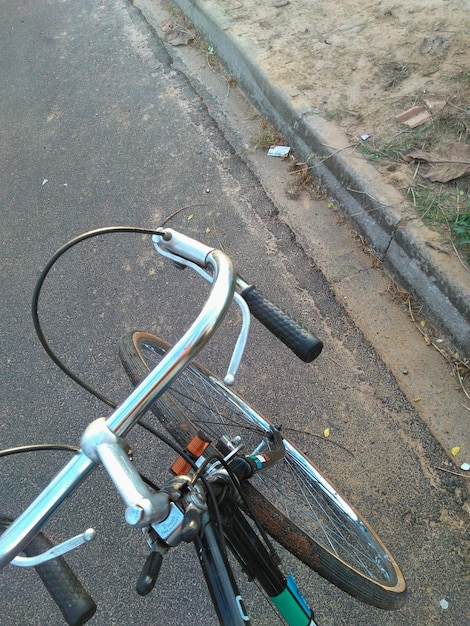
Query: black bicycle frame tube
(221,583)
(248,548)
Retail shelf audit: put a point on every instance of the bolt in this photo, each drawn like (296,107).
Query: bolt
(134,514)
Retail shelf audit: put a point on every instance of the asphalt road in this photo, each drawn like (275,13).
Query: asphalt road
(99,128)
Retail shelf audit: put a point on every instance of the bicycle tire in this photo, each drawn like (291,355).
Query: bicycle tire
(323,530)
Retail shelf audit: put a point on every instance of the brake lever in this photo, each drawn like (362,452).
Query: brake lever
(58,550)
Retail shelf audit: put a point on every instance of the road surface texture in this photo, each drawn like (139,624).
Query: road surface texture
(99,128)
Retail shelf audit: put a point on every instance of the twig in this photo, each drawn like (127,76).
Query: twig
(442,353)
(329,156)
(434,247)
(317,436)
(416,172)
(454,473)
(183,208)
(332,359)
(433,161)
(460,379)
(217,234)
(364,193)
(461,261)
(459,108)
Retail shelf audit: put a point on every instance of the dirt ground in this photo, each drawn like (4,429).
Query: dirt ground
(366,38)
(361,64)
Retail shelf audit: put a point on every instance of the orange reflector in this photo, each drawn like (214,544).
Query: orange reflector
(195,448)
(180,467)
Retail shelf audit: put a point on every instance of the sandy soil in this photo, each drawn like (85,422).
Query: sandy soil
(366,38)
(361,64)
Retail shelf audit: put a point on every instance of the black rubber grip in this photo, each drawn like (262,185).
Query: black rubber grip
(76,605)
(302,342)
(66,590)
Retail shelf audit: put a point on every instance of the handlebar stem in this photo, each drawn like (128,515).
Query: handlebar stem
(143,506)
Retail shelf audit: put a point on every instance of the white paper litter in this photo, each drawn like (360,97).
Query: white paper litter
(278,151)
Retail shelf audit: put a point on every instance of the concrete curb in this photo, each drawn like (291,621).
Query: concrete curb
(356,188)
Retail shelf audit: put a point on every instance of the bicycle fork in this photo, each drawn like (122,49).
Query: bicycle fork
(226,597)
(260,564)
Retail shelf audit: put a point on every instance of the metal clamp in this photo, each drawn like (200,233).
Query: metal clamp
(143,507)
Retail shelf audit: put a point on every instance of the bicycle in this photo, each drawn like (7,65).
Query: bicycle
(236,478)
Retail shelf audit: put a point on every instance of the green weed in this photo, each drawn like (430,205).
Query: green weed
(395,148)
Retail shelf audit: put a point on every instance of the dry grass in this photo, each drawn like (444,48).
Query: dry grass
(267,135)
(445,207)
(459,367)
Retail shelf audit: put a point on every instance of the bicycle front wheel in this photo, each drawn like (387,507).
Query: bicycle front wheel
(297,506)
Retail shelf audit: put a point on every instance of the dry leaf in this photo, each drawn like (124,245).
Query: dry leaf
(453,163)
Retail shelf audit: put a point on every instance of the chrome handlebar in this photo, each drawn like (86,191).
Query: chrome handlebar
(101,445)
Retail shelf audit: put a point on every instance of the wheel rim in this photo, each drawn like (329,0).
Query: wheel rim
(329,520)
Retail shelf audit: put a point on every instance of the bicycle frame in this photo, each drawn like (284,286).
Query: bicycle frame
(226,597)
(260,564)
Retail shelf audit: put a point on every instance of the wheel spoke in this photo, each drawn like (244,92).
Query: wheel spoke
(292,497)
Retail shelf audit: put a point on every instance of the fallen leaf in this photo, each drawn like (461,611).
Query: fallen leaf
(190,217)
(435,45)
(453,163)
(326,432)
(455,450)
